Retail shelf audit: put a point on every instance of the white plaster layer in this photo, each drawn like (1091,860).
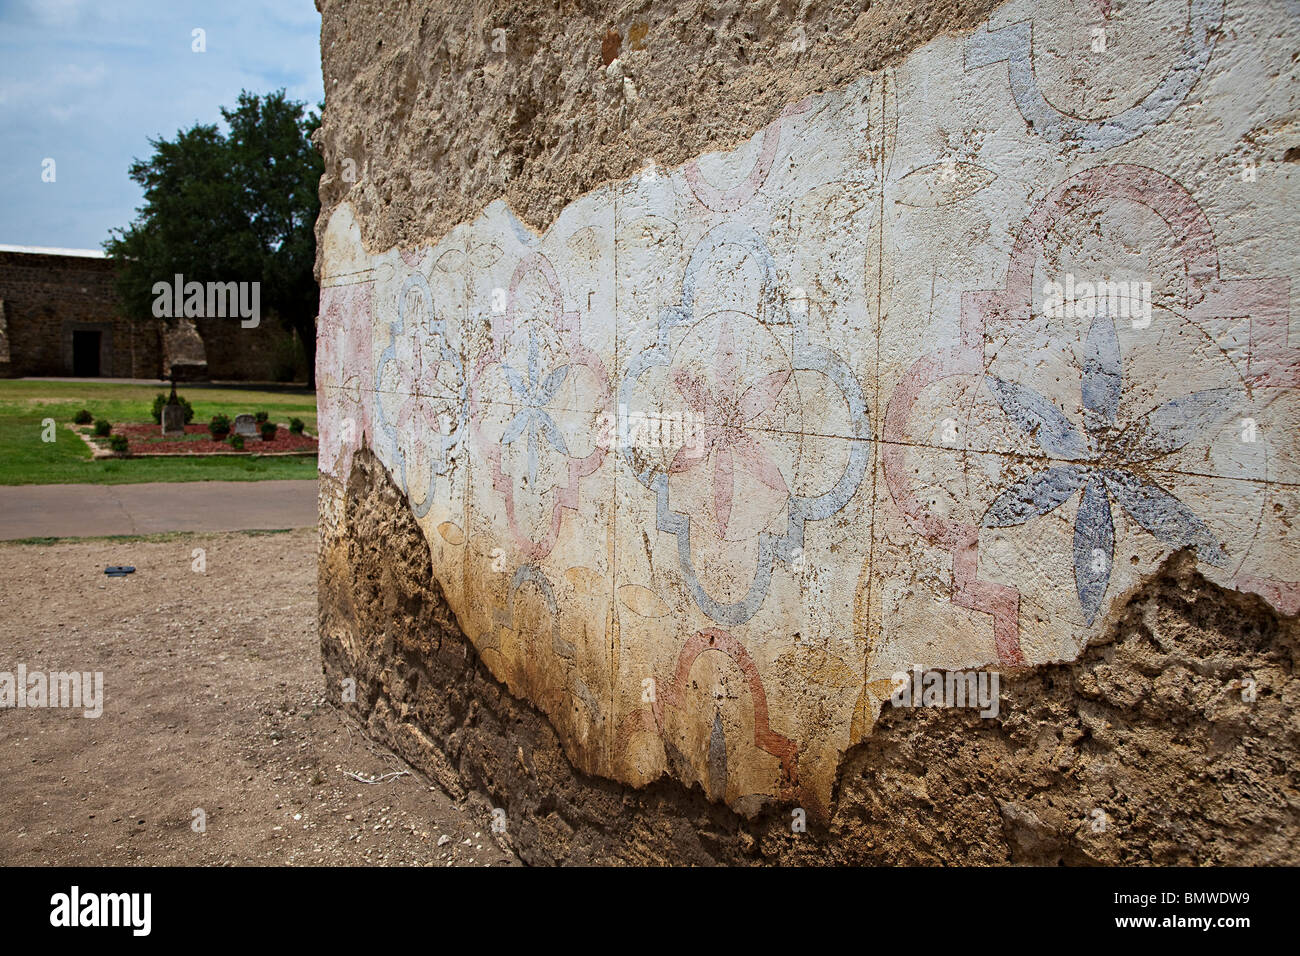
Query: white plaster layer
(905,380)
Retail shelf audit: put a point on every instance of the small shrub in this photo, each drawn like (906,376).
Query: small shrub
(219,426)
(261,417)
(296,425)
(237,442)
(118,443)
(103,427)
(83,417)
(268,431)
(160,400)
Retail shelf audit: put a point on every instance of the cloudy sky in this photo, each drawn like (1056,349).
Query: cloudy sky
(88,82)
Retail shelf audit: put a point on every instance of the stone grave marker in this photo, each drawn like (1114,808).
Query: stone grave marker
(246,425)
(173,419)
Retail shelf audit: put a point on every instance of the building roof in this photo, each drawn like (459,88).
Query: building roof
(51,251)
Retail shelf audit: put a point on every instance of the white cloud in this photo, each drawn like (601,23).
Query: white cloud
(91,83)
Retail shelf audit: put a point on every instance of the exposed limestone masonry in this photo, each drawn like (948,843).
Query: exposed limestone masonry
(1141,751)
(436,109)
(642,484)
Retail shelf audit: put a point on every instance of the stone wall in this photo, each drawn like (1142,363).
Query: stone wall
(49,296)
(271,352)
(688,374)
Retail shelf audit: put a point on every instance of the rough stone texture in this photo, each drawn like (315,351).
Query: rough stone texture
(936,370)
(184,356)
(1142,751)
(437,123)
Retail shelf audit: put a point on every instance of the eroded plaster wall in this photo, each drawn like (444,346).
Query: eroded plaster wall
(729,442)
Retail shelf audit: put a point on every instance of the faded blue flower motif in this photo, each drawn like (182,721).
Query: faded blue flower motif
(535,393)
(1106,456)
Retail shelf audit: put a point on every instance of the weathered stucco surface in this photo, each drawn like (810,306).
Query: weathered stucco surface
(663,495)
(436,109)
(1141,751)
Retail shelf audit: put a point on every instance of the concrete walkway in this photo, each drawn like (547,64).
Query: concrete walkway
(82,511)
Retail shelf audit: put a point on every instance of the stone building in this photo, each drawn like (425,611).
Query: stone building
(856,432)
(59,316)
(57,311)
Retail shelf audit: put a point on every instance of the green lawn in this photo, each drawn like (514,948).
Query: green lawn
(26,460)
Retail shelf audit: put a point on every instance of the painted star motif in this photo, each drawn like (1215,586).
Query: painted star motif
(1107,461)
(535,394)
(725,410)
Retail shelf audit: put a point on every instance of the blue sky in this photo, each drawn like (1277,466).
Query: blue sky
(87,83)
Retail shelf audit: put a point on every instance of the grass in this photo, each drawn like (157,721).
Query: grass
(27,460)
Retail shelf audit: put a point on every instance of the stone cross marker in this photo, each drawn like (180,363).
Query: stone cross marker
(173,418)
(246,425)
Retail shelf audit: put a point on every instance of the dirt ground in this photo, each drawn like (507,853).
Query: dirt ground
(212,700)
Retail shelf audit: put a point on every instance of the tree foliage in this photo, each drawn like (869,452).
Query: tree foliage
(238,206)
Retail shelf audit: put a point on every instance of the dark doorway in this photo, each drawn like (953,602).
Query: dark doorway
(85,354)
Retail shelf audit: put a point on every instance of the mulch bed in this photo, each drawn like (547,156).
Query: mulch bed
(146,439)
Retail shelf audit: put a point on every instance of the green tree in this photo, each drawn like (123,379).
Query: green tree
(237,206)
